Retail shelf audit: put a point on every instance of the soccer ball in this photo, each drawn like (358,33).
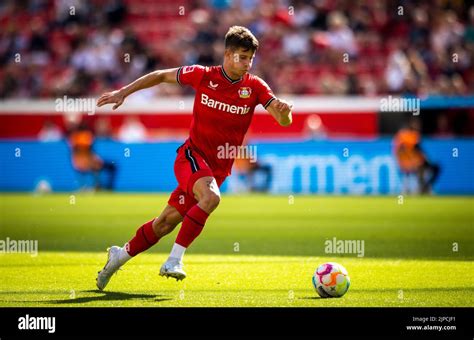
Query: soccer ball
(331,280)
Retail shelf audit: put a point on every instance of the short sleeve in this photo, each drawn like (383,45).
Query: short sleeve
(265,93)
(190,75)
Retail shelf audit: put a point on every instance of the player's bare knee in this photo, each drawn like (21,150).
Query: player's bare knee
(161,227)
(169,225)
(210,202)
(157,224)
(167,228)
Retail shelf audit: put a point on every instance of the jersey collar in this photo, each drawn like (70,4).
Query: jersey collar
(229,79)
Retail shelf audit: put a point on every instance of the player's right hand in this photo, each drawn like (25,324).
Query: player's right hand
(114,97)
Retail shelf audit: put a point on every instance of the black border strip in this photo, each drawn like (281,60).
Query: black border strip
(266,323)
(178,74)
(269,102)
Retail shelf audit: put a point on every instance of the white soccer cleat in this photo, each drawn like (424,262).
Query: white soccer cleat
(173,268)
(110,267)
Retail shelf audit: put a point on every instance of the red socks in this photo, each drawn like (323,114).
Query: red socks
(193,224)
(144,239)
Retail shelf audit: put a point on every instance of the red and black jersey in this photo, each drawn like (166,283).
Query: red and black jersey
(223,110)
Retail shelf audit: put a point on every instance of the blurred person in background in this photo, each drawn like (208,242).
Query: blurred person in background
(103,129)
(340,36)
(250,175)
(443,127)
(132,130)
(412,160)
(50,132)
(85,160)
(82,54)
(314,127)
(259,177)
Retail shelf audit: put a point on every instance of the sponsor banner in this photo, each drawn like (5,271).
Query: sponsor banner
(310,167)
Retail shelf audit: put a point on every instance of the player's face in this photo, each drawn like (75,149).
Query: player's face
(240,61)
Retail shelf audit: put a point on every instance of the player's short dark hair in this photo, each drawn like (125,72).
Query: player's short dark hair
(240,37)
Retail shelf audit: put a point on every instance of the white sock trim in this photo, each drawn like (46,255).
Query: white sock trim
(177,252)
(124,256)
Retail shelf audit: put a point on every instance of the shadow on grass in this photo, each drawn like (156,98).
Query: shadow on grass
(274,249)
(414,290)
(109,296)
(396,291)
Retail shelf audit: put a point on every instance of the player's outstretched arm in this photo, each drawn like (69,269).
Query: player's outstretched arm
(151,79)
(281,111)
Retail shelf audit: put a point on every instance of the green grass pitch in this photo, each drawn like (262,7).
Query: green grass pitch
(255,250)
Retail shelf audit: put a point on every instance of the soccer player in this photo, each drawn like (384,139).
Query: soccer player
(226,97)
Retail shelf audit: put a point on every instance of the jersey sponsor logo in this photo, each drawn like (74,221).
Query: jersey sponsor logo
(215,104)
(245,92)
(188,69)
(212,85)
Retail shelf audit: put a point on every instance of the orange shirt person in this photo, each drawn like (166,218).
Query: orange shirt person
(412,160)
(85,160)
(408,153)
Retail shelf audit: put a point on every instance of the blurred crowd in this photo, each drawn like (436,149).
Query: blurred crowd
(51,48)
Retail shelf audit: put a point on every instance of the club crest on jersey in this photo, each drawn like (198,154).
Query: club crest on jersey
(245,92)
